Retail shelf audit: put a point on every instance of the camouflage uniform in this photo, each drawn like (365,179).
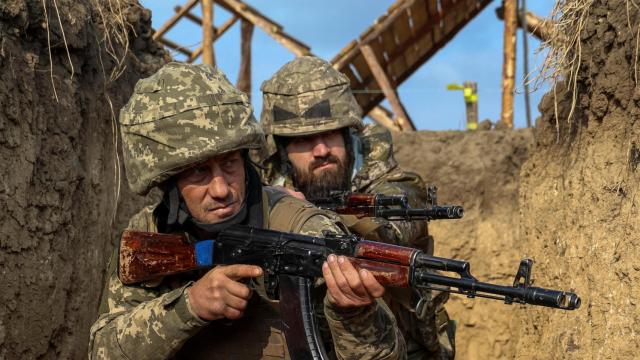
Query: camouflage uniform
(307,96)
(180,116)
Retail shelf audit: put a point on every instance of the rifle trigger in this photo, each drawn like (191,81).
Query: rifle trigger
(523,276)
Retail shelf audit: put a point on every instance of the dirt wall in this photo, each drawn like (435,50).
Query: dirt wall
(57,184)
(578,196)
(479,170)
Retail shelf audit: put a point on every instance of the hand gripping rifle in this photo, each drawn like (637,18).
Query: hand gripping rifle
(291,262)
(390,207)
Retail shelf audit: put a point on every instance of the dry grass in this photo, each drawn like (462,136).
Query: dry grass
(564,56)
(115,33)
(568,19)
(115,42)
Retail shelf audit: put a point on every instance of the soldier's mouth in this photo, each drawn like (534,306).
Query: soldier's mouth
(223,211)
(325,165)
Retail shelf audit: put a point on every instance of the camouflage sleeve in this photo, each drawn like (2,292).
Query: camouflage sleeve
(139,322)
(368,333)
(429,335)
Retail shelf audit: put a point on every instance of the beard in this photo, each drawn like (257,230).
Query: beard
(321,185)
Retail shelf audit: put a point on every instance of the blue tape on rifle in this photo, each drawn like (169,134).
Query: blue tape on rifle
(204,253)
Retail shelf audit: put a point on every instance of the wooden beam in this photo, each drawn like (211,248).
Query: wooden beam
(194,18)
(272,28)
(509,62)
(537,26)
(174,46)
(403,120)
(208,38)
(383,117)
(174,19)
(220,31)
(244,77)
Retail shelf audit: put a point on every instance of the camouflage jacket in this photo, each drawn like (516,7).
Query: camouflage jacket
(376,171)
(153,321)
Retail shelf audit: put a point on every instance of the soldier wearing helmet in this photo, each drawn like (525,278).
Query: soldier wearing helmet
(187,130)
(318,144)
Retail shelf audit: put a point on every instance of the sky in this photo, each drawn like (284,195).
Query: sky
(474,54)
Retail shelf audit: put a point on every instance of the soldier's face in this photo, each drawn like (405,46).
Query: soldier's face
(319,162)
(317,153)
(214,190)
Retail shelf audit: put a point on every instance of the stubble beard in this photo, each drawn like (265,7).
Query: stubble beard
(320,186)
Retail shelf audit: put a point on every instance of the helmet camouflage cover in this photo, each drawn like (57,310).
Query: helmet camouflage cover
(182,115)
(308,96)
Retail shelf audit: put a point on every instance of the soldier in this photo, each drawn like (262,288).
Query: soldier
(187,130)
(318,144)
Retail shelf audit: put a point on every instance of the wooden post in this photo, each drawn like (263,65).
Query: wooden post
(219,32)
(471,102)
(403,120)
(244,77)
(208,56)
(509,64)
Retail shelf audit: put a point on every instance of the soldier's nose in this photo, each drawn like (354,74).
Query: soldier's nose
(321,149)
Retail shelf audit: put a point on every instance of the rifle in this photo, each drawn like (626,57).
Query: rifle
(390,207)
(291,262)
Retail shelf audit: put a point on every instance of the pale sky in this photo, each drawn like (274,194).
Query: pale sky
(475,54)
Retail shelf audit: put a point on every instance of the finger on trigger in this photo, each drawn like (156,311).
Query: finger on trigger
(239,271)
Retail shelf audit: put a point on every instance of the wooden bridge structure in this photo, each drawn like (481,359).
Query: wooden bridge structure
(377,62)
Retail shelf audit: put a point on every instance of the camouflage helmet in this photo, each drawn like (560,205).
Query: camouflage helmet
(182,115)
(308,96)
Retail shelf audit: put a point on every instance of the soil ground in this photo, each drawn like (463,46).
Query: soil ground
(578,197)
(480,171)
(57,179)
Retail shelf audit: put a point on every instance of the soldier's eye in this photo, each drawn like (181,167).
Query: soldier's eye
(200,170)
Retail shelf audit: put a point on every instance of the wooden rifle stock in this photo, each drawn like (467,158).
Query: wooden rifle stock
(146,256)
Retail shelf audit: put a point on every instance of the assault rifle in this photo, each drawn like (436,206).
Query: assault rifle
(390,207)
(291,262)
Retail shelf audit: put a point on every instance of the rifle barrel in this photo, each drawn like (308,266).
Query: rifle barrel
(525,295)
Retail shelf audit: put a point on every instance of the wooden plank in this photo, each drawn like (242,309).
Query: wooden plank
(174,19)
(362,68)
(174,46)
(435,19)
(244,76)
(403,120)
(208,56)
(353,79)
(397,67)
(439,44)
(272,28)
(345,55)
(383,117)
(194,18)
(221,30)
(396,10)
(389,44)
(419,14)
(401,28)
